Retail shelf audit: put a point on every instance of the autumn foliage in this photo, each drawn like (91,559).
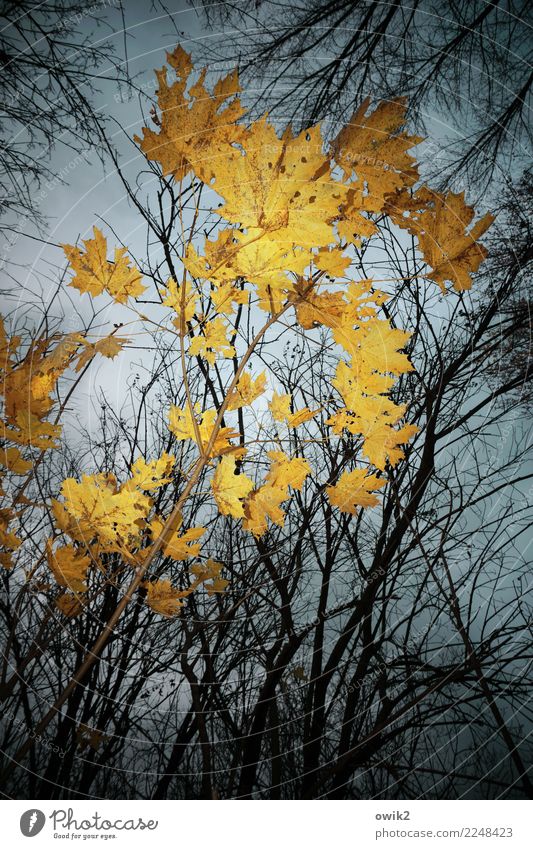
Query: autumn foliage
(290,209)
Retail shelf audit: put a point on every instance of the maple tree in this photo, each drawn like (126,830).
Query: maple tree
(290,210)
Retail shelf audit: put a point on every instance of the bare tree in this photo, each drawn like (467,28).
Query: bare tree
(465,64)
(54,58)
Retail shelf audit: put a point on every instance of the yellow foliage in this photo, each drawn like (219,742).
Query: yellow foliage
(280,407)
(209,571)
(182,426)
(264,503)
(246,391)
(440,222)
(287,471)
(180,302)
(162,598)
(372,148)
(12,459)
(69,566)
(152,475)
(230,488)
(212,341)
(9,541)
(353,490)
(94,273)
(178,546)
(290,207)
(108,347)
(70,605)
(97,508)
(193,127)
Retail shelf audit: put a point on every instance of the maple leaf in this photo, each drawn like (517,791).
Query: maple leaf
(108,347)
(182,426)
(180,302)
(229,488)
(32,431)
(226,296)
(375,345)
(264,503)
(69,566)
(353,490)
(280,407)
(441,224)
(70,605)
(257,257)
(9,541)
(211,341)
(163,598)
(96,508)
(194,127)
(178,546)
(27,388)
(210,571)
(314,308)
(13,460)
(152,475)
(354,381)
(94,273)
(280,186)
(373,148)
(382,441)
(246,391)
(332,261)
(287,471)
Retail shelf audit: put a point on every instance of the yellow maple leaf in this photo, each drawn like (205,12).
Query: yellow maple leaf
(163,598)
(226,296)
(353,490)
(375,344)
(182,426)
(259,257)
(108,347)
(210,571)
(152,475)
(180,302)
(229,488)
(32,431)
(193,127)
(374,149)
(212,340)
(315,308)
(441,224)
(281,186)
(96,507)
(280,407)
(27,386)
(287,471)
(354,381)
(9,541)
(332,261)
(264,503)
(12,459)
(70,605)
(69,566)
(94,273)
(382,441)
(246,391)
(179,546)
